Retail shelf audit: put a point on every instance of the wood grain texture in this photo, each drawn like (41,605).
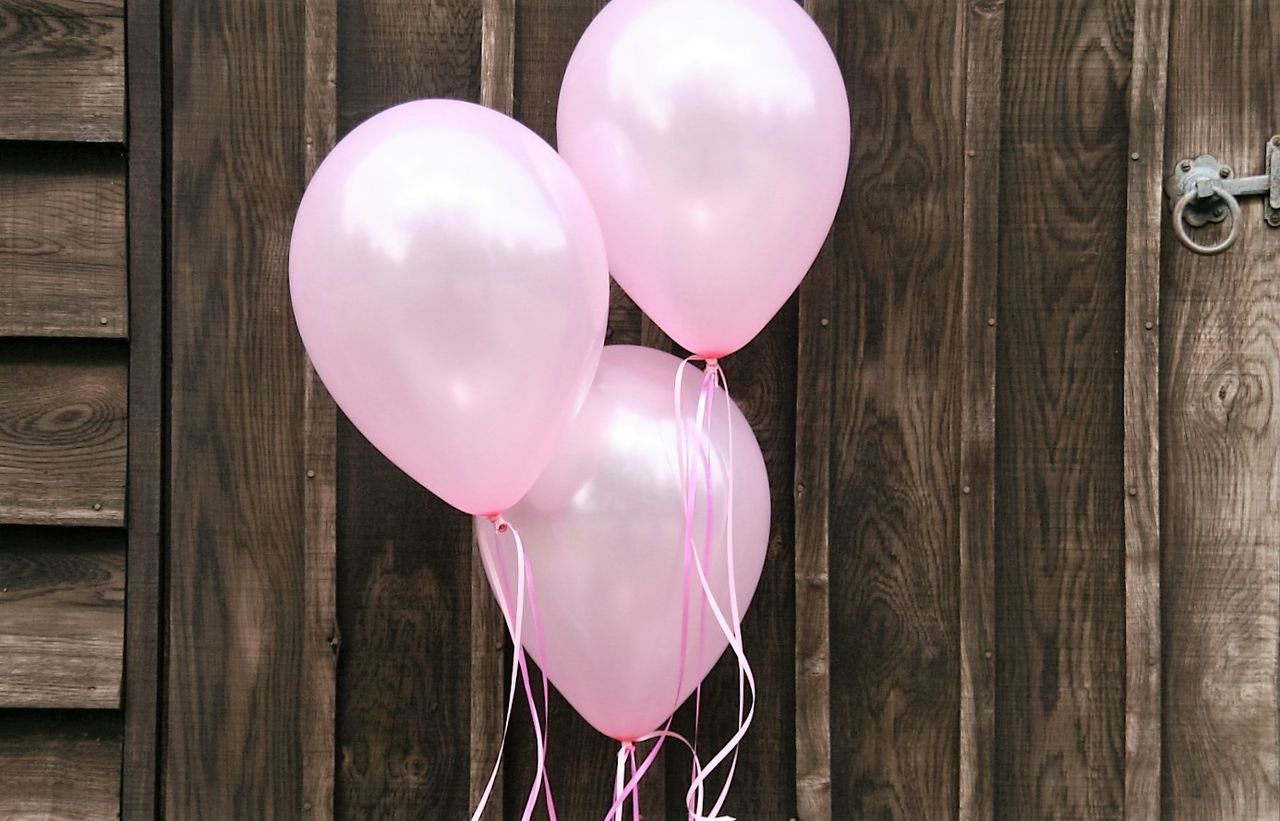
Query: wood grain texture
(984,48)
(62,70)
(62,242)
(60,765)
(61,617)
(815,380)
(143,581)
(1060,495)
(489,668)
(1141,411)
(405,576)
(62,434)
(236,569)
(1220,379)
(322,641)
(897,348)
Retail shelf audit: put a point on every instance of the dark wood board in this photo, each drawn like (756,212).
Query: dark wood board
(61,617)
(62,241)
(404,556)
(60,765)
(322,641)
(984,46)
(236,611)
(62,433)
(897,348)
(1220,463)
(1060,490)
(62,70)
(1143,709)
(144,580)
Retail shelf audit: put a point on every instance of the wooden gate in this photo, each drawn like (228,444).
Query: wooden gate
(1024,447)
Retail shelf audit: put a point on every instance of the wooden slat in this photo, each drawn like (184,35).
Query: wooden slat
(62,434)
(59,765)
(405,579)
(984,46)
(815,376)
(488,631)
(897,348)
(146,409)
(61,618)
(1141,411)
(1060,486)
(1220,379)
(236,554)
(62,70)
(62,242)
(321,641)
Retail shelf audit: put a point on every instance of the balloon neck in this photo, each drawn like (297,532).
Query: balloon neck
(500,525)
(713,364)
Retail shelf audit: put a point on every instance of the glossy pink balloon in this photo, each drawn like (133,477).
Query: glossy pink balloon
(713,139)
(603,530)
(450,284)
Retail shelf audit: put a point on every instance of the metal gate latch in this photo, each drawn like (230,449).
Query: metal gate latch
(1204,190)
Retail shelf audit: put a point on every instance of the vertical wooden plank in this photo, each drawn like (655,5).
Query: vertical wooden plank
(1060,483)
(984,47)
(1220,378)
(897,348)
(237,616)
(1141,411)
(405,578)
(321,641)
(815,377)
(146,258)
(488,631)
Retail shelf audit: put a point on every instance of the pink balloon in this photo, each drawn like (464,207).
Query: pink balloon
(713,138)
(450,284)
(604,533)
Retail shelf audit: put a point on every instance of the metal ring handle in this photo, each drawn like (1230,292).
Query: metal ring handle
(1180,227)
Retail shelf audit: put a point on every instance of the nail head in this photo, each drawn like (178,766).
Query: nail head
(1135,156)
(311,474)
(102,320)
(991,320)
(1148,324)
(972,153)
(1133,491)
(824,322)
(97,506)
(966,488)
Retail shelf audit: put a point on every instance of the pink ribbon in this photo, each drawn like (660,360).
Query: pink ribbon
(520,670)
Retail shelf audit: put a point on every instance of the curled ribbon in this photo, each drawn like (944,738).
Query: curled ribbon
(520,671)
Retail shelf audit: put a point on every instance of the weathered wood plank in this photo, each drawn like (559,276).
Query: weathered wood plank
(61,617)
(815,377)
(236,569)
(62,434)
(146,410)
(1220,379)
(60,765)
(62,70)
(897,348)
(405,580)
(1060,483)
(322,642)
(62,242)
(489,668)
(984,47)
(1141,412)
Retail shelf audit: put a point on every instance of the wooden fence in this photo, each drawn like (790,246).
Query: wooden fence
(1024,447)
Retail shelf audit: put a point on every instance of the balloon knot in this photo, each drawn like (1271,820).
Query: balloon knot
(713,365)
(500,525)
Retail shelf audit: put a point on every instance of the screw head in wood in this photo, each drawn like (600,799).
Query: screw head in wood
(824,322)
(311,474)
(972,153)
(1133,491)
(991,320)
(97,506)
(1148,324)
(102,320)
(1135,156)
(966,488)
